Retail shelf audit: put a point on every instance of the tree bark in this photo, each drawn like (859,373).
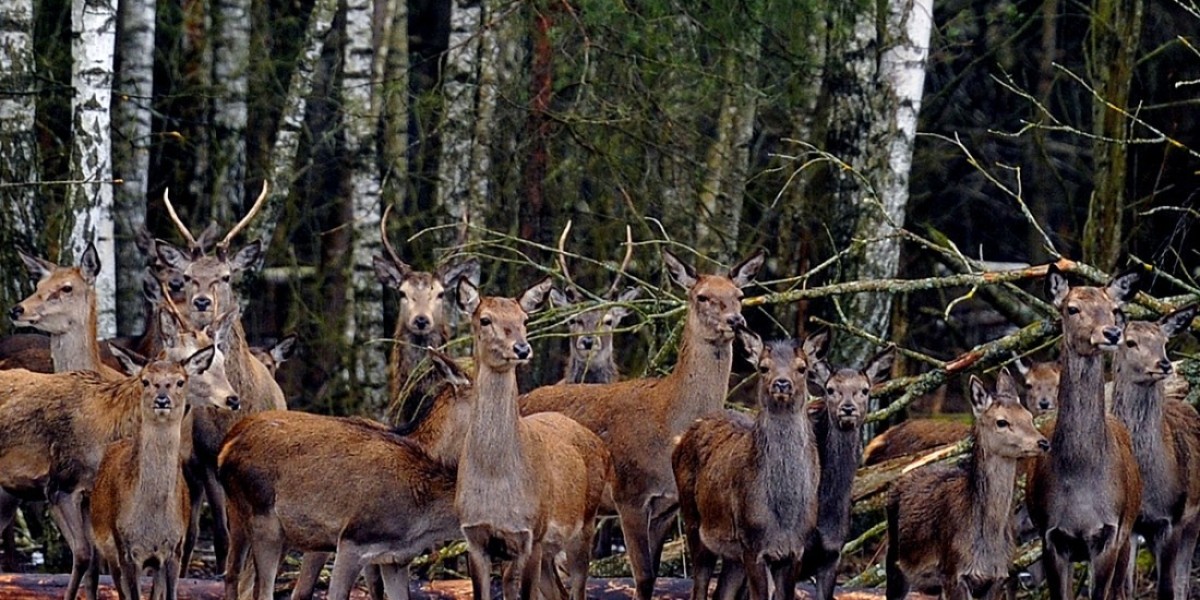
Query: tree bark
(20,219)
(1114,40)
(231,67)
(361,117)
(395,109)
(131,155)
(93,26)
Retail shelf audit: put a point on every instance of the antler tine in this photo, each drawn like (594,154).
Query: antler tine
(262,197)
(387,245)
(174,310)
(187,235)
(562,254)
(616,284)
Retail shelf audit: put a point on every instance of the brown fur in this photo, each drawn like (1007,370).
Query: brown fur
(139,505)
(748,489)
(645,494)
(952,524)
(1166,444)
(913,436)
(526,486)
(1084,495)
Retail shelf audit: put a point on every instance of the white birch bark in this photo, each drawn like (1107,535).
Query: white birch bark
(231,67)
(286,148)
(131,155)
(361,116)
(463,93)
(93,25)
(19,217)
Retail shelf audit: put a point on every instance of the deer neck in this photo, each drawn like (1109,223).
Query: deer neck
(492,446)
(840,452)
(157,464)
(1081,413)
(990,479)
(115,412)
(780,440)
(1140,408)
(77,349)
(581,370)
(700,381)
(408,351)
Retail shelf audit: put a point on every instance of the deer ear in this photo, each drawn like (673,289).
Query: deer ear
(1006,385)
(37,267)
(558,299)
(466,295)
(1022,367)
(980,398)
(284,349)
(752,343)
(144,241)
(89,264)
(152,290)
(880,365)
(388,272)
(208,237)
(819,373)
(1123,287)
(744,272)
(131,362)
(1178,321)
(222,328)
(531,299)
(168,327)
(449,369)
(247,257)
(681,272)
(620,312)
(171,256)
(468,269)
(1057,285)
(200,361)
(814,345)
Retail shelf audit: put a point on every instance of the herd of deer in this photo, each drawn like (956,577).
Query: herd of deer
(123,460)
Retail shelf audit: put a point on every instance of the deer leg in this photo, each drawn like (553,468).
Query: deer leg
(196,496)
(8,514)
(67,510)
(549,585)
(1106,583)
(129,574)
(92,577)
(266,550)
(635,528)
(757,575)
(662,516)
(897,581)
(171,577)
(1166,560)
(1188,535)
(1058,573)
(216,501)
(310,571)
(395,580)
(477,537)
(826,566)
(347,564)
(704,562)
(528,569)
(578,556)
(784,578)
(240,541)
(374,581)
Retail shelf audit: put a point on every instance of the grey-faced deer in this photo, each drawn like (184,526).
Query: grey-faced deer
(1166,444)
(526,486)
(1085,494)
(209,292)
(273,356)
(421,321)
(1041,385)
(64,306)
(645,494)
(952,524)
(139,505)
(748,488)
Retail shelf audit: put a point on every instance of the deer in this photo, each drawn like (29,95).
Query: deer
(143,476)
(530,486)
(590,353)
(64,306)
(420,322)
(208,288)
(748,488)
(644,494)
(1084,495)
(1166,446)
(838,417)
(952,523)
(272,357)
(918,435)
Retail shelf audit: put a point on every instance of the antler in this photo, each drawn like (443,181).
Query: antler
(616,284)
(262,196)
(187,235)
(562,254)
(384,236)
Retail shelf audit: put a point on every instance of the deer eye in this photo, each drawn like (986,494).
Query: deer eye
(701,298)
(763,368)
(485,321)
(441,295)
(179,383)
(66,289)
(1130,344)
(865,391)
(608,321)
(225,278)
(1072,310)
(401,294)
(1001,423)
(829,390)
(145,383)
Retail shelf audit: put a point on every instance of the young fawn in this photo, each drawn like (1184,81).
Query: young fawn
(1166,444)
(527,486)
(952,524)
(748,489)
(1084,495)
(139,505)
(644,493)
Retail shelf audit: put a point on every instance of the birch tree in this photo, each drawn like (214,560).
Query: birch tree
(93,25)
(131,154)
(394,106)
(19,217)
(875,74)
(366,294)
(231,59)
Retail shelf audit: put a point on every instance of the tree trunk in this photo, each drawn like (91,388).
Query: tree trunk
(94,30)
(395,109)
(538,123)
(466,95)
(360,118)
(286,148)
(231,66)
(131,155)
(198,45)
(1114,36)
(876,78)
(20,219)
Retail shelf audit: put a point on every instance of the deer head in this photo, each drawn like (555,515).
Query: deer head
(180,339)
(1041,385)
(714,301)
(783,367)
(65,296)
(1002,424)
(847,390)
(1143,352)
(1091,316)
(498,324)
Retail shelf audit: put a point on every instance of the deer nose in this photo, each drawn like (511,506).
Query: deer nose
(1166,366)
(202,303)
(1112,334)
(233,402)
(176,285)
(736,321)
(1045,404)
(586,342)
(522,350)
(781,386)
(162,401)
(421,322)
(1044,445)
(848,409)
(16,312)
